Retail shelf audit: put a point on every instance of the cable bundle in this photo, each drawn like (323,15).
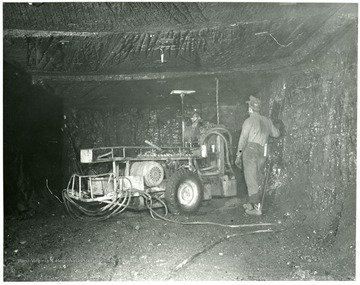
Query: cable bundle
(116,206)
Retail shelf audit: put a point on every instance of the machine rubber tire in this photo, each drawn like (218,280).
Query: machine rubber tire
(184,192)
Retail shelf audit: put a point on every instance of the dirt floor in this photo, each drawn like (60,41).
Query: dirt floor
(135,247)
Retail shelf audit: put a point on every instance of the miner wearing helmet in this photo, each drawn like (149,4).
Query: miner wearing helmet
(192,132)
(250,152)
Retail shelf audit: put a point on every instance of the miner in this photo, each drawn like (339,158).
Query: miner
(192,132)
(250,154)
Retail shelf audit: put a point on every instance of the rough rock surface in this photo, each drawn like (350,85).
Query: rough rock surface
(135,247)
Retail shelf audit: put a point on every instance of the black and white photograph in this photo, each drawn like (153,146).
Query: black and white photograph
(183,141)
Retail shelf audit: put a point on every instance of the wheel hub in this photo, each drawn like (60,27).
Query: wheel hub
(187,193)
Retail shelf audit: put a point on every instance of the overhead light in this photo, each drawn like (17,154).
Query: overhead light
(63,42)
(179,92)
(35,4)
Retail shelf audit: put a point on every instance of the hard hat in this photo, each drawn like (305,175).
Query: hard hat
(254,103)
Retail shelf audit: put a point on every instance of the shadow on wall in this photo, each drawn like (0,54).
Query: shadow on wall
(32,142)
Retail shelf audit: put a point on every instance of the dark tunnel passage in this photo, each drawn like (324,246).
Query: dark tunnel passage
(32,144)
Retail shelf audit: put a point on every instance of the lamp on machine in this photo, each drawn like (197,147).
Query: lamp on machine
(182,94)
(162,55)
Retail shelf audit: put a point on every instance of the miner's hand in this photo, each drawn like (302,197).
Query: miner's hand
(281,127)
(238,162)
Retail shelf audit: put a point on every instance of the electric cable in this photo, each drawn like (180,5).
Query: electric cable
(212,245)
(152,212)
(116,206)
(148,202)
(47,186)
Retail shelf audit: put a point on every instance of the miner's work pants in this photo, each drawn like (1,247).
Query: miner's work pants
(253,161)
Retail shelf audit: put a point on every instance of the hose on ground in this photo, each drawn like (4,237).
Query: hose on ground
(157,216)
(117,206)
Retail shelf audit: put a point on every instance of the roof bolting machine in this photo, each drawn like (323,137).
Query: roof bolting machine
(178,179)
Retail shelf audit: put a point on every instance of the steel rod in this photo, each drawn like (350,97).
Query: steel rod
(217,102)
(182,120)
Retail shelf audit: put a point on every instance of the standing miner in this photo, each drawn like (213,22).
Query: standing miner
(251,152)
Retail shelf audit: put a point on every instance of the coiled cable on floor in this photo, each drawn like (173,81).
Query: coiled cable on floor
(116,207)
(157,216)
(149,205)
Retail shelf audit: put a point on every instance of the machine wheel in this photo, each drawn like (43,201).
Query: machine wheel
(184,192)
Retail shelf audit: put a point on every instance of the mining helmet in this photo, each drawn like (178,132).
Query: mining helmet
(254,103)
(195,116)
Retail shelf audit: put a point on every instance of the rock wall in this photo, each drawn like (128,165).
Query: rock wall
(314,163)
(122,126)
(117,126)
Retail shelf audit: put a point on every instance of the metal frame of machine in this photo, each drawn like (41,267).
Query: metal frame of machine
(177,178)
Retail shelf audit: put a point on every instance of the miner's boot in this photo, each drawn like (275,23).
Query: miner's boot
(255,211)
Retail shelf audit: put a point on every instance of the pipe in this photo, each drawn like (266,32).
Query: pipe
(182,120)
(217,101)
(215,131)
(153,145)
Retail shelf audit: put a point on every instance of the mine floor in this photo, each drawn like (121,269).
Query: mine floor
(135,247)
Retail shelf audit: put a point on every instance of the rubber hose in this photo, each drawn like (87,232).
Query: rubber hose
(215,131)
